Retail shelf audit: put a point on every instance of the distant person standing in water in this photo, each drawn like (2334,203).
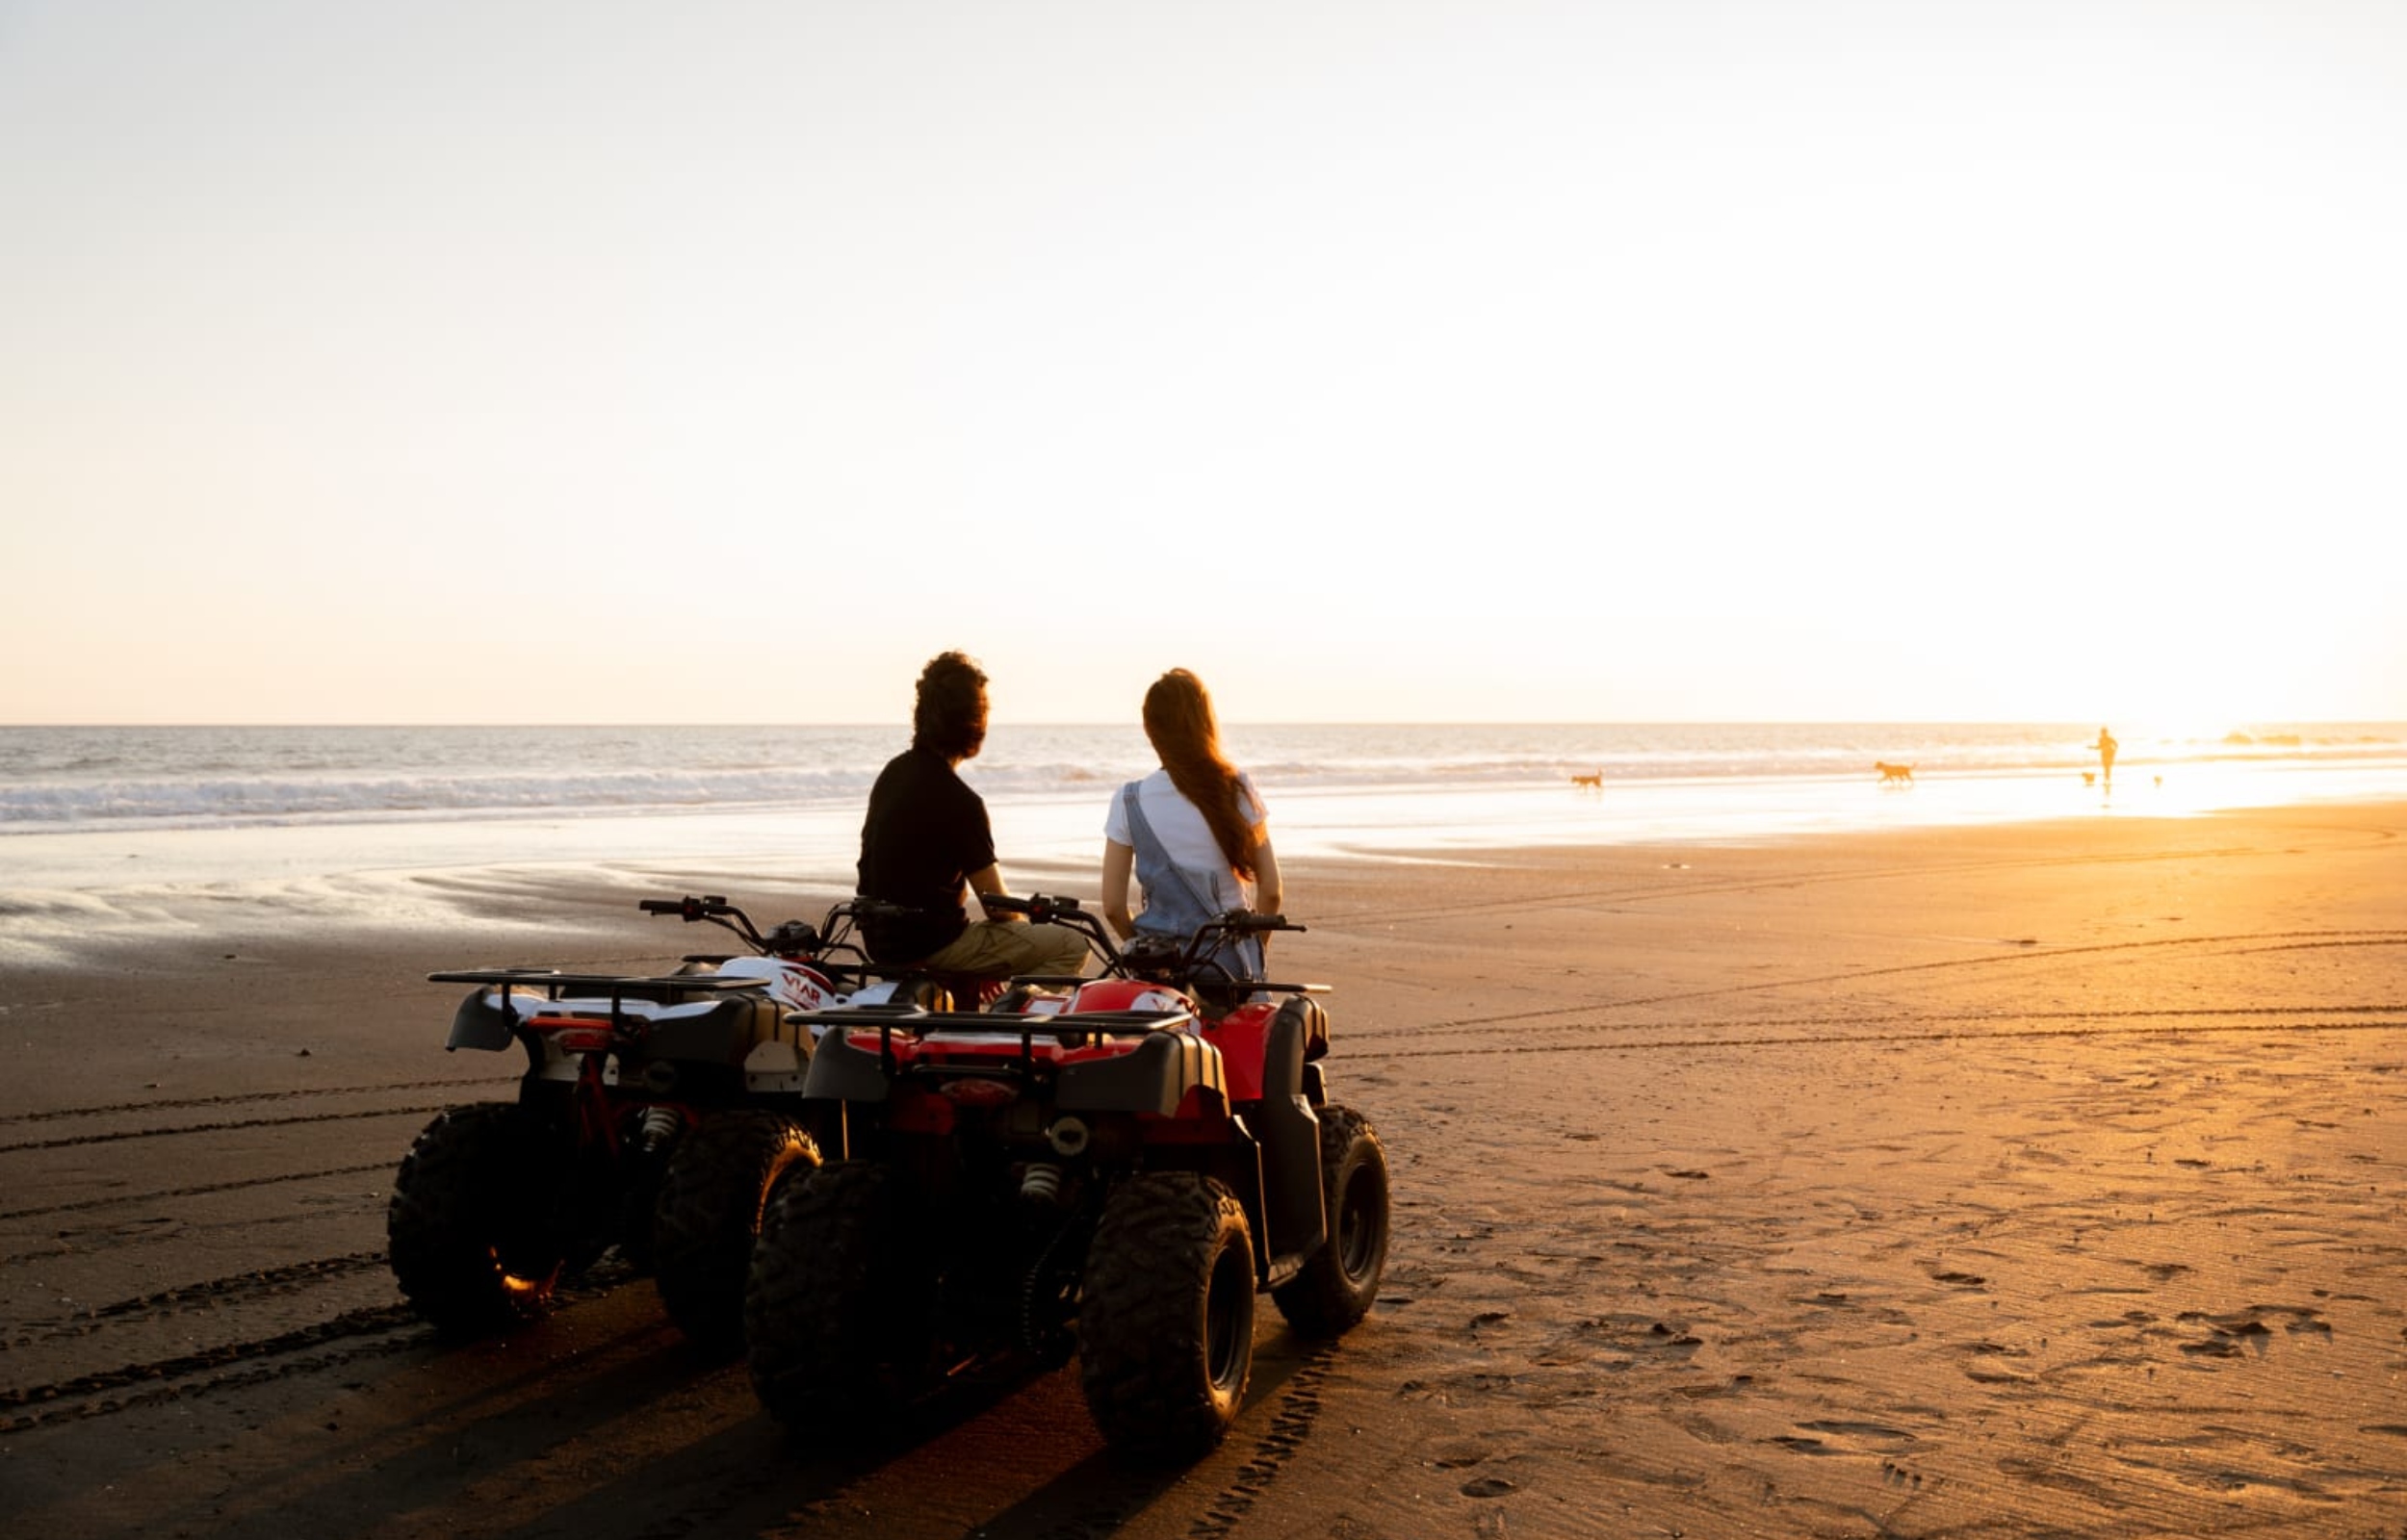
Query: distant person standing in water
(2106,755)
(1194,832)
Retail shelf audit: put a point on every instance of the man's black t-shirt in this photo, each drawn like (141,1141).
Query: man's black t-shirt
(927,831)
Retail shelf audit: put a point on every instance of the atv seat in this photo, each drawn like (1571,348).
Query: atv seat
(943,992)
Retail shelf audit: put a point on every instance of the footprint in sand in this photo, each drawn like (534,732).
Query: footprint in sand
(2245,1330)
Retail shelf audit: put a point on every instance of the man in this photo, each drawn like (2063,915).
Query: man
(926,841)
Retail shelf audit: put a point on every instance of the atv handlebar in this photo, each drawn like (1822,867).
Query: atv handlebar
(832,942)
(715,909)
(791,938)
(1193,960)
(1043,907)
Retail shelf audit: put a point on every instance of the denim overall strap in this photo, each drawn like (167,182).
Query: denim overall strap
(1176,903)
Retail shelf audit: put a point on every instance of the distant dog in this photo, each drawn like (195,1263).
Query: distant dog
(1594,782)
(1897,774)
(2090,778)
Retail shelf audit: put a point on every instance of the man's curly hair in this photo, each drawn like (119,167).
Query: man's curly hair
(949,717)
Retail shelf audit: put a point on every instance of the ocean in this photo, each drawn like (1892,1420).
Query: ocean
(111,833)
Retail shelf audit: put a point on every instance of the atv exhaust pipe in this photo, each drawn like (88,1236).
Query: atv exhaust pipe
(1068,1137)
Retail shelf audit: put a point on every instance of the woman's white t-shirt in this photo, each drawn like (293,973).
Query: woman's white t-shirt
(1179,824)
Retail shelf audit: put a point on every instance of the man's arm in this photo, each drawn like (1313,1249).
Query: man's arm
(988,878)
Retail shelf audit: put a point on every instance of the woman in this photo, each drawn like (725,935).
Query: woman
(1193,832)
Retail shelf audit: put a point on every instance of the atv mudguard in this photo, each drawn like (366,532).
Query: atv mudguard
(1290,1132)
(838,1071)
(479,1023)
(1155,1078)
(730,1032)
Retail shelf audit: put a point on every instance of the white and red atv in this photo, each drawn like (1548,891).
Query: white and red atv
(1111,1167)
(655,1113)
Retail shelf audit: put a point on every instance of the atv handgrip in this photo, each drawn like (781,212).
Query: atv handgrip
(1036,904)
(879,909)
(691,908)
(1245,922)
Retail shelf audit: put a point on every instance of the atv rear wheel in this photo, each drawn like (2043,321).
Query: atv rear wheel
(709,1214)
(1166,1322)
(1337,1284)
(833,1323)
(468,1231)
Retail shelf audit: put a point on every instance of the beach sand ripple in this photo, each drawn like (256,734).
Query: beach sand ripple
(2010,1182)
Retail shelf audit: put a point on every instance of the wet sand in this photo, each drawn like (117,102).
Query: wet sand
(2044,1180)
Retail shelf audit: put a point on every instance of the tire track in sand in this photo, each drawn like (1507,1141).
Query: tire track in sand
(2291,940)
(1299,1408)
(206,1294)
(203,1190)
(372,1331)
(231,1125)
(54,1115)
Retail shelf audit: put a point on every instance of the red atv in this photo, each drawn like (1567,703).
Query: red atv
(655,1115)
(1111,1167)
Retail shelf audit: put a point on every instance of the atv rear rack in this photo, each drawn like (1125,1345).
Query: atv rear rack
(554,981)
(1057,981)
(557,986)
(1083,1029)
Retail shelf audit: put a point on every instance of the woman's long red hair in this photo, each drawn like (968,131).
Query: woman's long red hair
(1178,720)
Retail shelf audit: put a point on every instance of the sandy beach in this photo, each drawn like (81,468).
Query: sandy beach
(2013,1181)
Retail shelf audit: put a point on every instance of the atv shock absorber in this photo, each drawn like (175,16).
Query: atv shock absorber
(1041,1182)
(658,1126)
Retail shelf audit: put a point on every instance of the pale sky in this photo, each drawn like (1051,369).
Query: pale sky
(1458,360)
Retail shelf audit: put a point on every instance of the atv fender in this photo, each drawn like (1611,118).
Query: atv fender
(724,1035)
(774,1068)
(1154,1078)
(1290,1132)
(838,1071)
(481,1021)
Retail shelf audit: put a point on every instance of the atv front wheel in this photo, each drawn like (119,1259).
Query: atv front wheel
(833,1321)
(709,1213)
(469,1232)
(1166,1323)
(1335,1287)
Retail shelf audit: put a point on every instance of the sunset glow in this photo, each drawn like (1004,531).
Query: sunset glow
(1623,362)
